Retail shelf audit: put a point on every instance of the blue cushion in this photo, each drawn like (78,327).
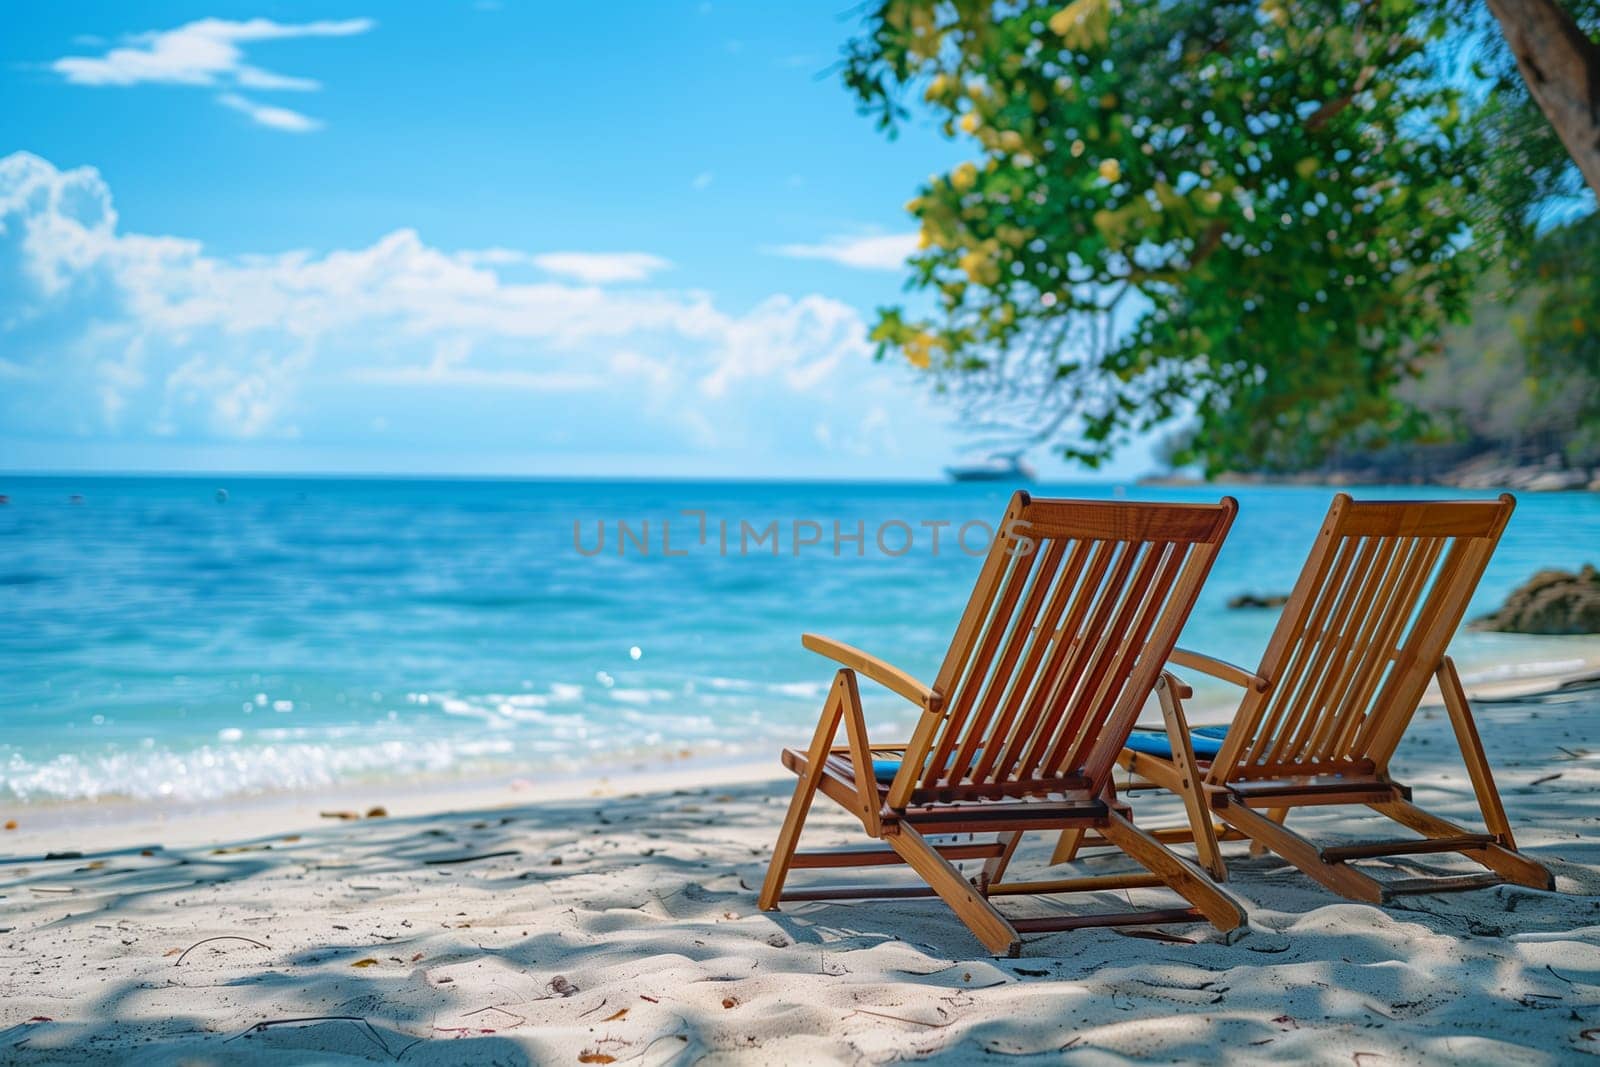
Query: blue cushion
(1207,742)
(884,770)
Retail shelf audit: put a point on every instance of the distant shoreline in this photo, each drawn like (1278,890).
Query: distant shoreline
(1518,480)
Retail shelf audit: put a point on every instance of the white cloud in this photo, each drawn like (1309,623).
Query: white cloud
(450,367)
(478,378)
(111,335)
(594,268)
(279,118)
(600,267)
(702,181)
(781,337)
(874,436)
(209,53)
(871,252)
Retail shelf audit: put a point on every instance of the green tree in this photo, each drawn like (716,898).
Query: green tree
(1251,214)
(1562,337)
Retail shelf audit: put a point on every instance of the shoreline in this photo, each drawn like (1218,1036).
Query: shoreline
(565,927)
(95,825)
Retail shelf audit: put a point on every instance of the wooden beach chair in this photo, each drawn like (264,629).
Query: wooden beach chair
(1076,608)
(1382,593)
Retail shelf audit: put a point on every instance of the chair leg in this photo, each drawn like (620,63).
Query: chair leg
(1455,702)
(804,791)
(1190,783)
(1502,857)
(998,935)
(1074,840)
(1277,815)
(995,869)
(1067,846)
(1178,873)
(1508,863)
(1339,877)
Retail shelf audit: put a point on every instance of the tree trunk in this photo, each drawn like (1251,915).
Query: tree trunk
(1562,69)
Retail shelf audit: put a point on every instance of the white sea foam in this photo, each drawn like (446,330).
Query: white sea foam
(1503,672)
(208,771)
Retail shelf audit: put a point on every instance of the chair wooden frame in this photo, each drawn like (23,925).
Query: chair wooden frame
(1340,681)
(1074,613)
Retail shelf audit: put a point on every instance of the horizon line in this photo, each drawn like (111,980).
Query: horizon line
(533,477)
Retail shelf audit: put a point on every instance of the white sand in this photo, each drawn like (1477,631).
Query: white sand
(625,926)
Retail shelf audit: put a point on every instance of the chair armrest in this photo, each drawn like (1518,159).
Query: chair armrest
(1217,668)
(890,677)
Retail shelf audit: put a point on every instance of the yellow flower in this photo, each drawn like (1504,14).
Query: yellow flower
(1083,24)
(919,350)
(980,267)
(1110,170)
(963,177)
(970,121)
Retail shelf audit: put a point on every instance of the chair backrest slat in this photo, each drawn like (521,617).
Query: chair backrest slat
(1117,653)
(1027,674)
(978,672)
(1082,584)
(1382,592)
(1313,624)
(1084,644)
(1355,653)
(1075,611)
(1333,641)
(1411,561)
(1003,677)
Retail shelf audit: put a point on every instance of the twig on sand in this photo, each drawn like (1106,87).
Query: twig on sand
(1157,935)
(902,1018)
(413,1044)
(219,937)
(371,1031)
(1558,974)
(494,1007)
(469,859)
(680,1034)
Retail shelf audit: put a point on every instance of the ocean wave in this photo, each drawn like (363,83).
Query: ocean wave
(1508,672)
(212,771)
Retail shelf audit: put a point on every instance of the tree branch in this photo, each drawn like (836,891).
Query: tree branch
(1562,69)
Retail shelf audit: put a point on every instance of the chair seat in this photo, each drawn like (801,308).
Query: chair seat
(1207,742)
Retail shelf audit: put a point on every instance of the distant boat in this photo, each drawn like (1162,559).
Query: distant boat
(999,467)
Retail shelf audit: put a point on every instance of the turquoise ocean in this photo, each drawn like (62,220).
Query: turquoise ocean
(201,637)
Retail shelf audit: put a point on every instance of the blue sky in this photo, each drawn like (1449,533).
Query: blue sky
(633,238)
